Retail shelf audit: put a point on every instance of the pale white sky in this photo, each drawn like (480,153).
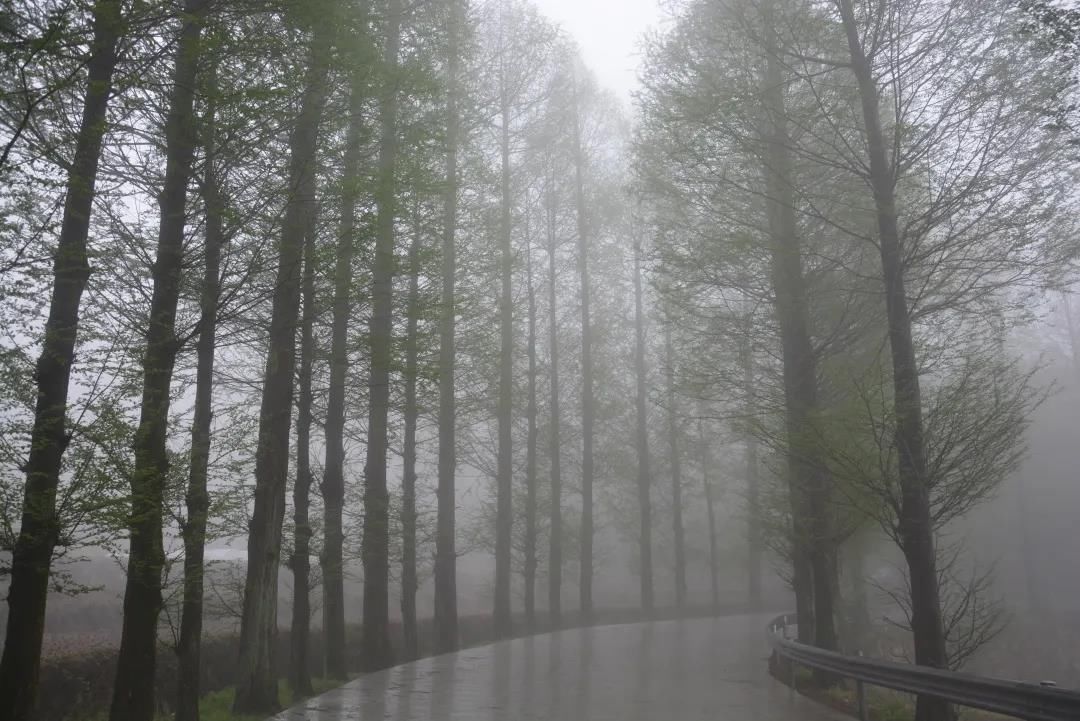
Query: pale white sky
(609,32)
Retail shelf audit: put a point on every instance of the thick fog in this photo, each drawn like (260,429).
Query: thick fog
(339,334)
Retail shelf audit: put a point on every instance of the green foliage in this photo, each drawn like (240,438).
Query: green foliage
(217,706)
(891,708)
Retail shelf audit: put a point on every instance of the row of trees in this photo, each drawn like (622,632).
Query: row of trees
(277,240)
(863,200)
(348,198)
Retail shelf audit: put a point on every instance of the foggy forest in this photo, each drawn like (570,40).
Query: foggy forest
(337,335)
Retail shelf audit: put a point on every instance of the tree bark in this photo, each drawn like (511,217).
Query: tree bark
(644,479)
(197,499)
(375,550)
(133,688)
(256,691)
(504,481)
(408,476)
(555,534)
(587,410)
(300,635)
(333,485)
(32,555)
(914,522)
(446,618)
(530,450)
(676,473)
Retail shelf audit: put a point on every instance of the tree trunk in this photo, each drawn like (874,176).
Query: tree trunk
(375,550)
(808,481)
(133,688)
(914,523)
(32,555)
(446,619)
(408,476)
(644,479)
(1074,334)
(1033,597)
(333,485)
(587,411)
(504,481)
(676,473)
(555,539)
(753,490)
(256,690)
(860,622)
(197,500)
(530,451)
(706,484)
(299,637)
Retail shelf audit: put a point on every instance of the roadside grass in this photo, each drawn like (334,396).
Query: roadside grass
(881,704)
(217,705)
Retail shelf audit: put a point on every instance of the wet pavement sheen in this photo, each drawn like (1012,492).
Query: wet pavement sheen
(690,670)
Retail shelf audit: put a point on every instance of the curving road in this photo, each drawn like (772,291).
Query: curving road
(692,670)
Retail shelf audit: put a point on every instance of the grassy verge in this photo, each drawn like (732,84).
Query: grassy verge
(217,706)
(882,704)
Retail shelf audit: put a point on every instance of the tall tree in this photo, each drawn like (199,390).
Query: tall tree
(915,524)
(133,688)
(408,475)
(530,449)
(446,620)
(197,499)
(644,477)
(504,518)
(300,634)
(807,475)
(676,470)
(753,491)
(710,510)
(32,556)
(588,412)
(257,690)
(377,652)
(555,533)
(332,559)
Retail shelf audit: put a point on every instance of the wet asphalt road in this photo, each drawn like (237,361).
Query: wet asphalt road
(692,670)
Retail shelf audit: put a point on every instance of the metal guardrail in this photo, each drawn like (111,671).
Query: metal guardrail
(1032,702)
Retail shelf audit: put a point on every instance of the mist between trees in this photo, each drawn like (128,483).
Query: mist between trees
(309,306)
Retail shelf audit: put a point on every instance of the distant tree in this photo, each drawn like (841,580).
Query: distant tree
(676,468)
(446,617)
(377,652)
(644,478)
(588,412)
